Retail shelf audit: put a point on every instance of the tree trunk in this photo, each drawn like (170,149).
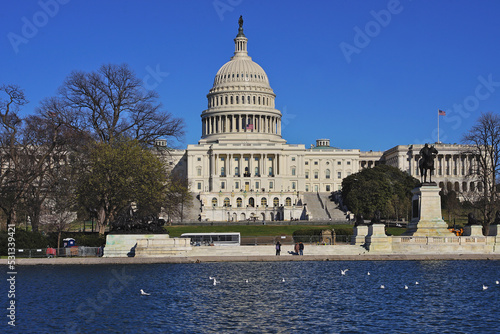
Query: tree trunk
(58,243)
(101,220)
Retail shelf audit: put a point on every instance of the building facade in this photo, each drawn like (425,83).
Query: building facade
(242,168)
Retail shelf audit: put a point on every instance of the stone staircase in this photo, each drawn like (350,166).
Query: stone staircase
(192,212)
(322,208)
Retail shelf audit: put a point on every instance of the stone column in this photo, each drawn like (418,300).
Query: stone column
(359,235)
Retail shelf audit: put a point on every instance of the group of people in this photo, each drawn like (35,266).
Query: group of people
(298,248)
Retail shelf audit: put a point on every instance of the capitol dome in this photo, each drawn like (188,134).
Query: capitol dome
(241,101)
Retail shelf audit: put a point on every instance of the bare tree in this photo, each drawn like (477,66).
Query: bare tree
(484,139)
(111,103)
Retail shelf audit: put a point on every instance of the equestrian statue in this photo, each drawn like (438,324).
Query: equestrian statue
(426,162)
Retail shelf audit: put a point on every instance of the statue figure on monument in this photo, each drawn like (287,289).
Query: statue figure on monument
(359,220)
(471,220)
(376,217)
(240,21)
(426,162)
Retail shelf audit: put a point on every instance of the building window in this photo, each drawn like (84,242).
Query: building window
(276,201)
(339,175)
(222,159)
(226,202)
(327,187)
(270,171)
(307,187)
(222,171)
(256,171)
(293,158)
(315,175)
(288,201)
(251,202)
(239,202)
(198,171)
(246,158)
(348,162)
(294,185)
(263,202)
(307,163)
(307,175)
(236,171)
(199,159)
(214,201)
(271,185)
(237,185)
(199,185)
(293,171)
(223,185)
(327,174)
(339,162)
(315,162)
(257,185)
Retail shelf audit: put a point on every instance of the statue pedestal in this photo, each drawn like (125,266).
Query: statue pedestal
(473,231)
(426,213)
(377,240)
(359,236)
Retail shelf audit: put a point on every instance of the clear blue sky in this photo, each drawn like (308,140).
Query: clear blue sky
(370,90)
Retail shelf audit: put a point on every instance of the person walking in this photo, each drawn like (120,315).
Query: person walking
(297,248)
(278,248)
(301,248)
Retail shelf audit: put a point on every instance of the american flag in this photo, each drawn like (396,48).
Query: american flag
(441,112)
(250,127)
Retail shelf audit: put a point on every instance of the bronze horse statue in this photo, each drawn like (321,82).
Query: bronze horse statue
(426,162)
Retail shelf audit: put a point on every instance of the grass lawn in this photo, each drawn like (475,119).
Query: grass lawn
(262,230)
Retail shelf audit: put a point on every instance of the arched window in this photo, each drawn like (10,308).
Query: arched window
(226,202)
(231,100)
(237,99)
(276,201)
(214,201)
(263,202)
(327,173)
(248,99)
(243,99)
(254,100)
(239,202)
(251,202)
(226,99)
(259,99)
(288,201)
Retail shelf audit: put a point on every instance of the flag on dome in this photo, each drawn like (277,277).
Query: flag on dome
(441,112)
(250,127)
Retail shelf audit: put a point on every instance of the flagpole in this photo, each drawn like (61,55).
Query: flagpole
(438,126)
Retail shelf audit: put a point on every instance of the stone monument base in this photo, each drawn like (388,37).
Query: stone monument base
(377,240)
(426,213)
(473,231)
(359,236)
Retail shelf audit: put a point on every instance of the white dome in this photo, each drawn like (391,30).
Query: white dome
(241,70)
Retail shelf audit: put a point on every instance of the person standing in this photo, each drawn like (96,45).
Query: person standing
(301,248)
(297,248)
(278,248)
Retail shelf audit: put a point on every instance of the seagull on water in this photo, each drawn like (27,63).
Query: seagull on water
(215,281)
(283,279)
(368,273)
(144,293)
(246,281)
(485,287)
(406,287)
(416,283)
(497,282)
(342,272)
(210,277)
(382,286)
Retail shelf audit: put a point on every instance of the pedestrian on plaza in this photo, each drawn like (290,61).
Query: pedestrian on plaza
(278,248)
(301,248)
(297,248)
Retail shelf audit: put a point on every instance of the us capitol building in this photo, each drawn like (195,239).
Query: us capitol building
(242,169)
